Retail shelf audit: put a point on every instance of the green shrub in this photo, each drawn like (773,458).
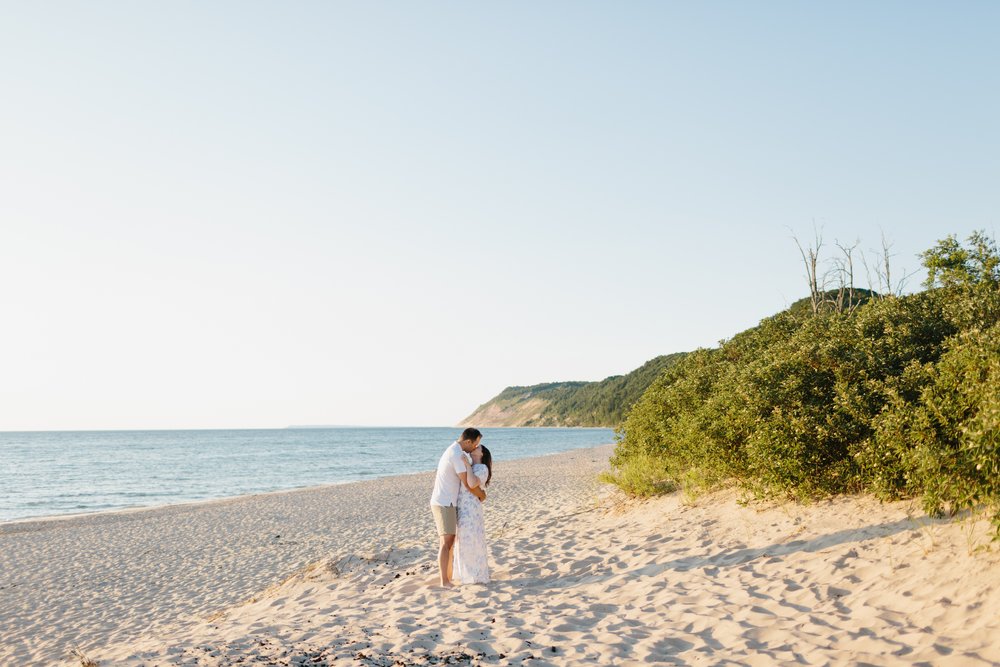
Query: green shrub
(955,430)
(666,422)
(897,397)
(642,475)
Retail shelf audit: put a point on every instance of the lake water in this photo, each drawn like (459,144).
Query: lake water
(68,472)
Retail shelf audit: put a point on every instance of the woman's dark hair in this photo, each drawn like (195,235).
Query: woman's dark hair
(488,462)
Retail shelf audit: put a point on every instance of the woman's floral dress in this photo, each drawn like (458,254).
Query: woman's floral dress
(470,565)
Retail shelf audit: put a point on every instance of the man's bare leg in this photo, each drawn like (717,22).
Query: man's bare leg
(444,559)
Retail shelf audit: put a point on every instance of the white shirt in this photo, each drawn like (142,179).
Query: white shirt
(447,483)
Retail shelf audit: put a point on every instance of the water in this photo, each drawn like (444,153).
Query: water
(68,472)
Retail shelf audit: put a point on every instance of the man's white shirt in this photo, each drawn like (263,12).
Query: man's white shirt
(446,483)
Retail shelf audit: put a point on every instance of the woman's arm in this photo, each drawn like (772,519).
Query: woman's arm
(474,490)
(471,481)
(478,481)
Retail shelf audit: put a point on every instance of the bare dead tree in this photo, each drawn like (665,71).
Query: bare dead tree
(887,265)
(844,268)
(810,259)
(881,266)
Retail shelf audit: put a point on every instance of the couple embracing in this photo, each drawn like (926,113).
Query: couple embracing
(464,470)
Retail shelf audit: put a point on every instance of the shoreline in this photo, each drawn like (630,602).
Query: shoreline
(221,499)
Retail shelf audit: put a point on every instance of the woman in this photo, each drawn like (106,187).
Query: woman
(470,564)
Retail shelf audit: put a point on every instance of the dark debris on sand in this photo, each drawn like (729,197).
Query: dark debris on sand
(267,653)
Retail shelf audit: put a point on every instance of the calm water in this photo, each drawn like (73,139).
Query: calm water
(66,472)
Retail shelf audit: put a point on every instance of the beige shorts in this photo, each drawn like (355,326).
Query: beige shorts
(445,518)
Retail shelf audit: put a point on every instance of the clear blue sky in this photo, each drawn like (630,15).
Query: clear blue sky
(246,214)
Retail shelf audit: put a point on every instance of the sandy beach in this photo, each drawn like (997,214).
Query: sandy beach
(345,574)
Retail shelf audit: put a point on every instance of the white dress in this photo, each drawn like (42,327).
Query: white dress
(470,566)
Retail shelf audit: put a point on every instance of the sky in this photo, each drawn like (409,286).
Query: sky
(256,214)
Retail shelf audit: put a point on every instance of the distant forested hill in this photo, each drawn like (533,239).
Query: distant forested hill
(602,403)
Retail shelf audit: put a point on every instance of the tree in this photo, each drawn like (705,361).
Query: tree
(881,266)
(949,264)
(810,258)
(846,298)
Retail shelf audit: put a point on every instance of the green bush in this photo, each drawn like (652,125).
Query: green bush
(896,397)
(642,475)
(666,423)
(954,459)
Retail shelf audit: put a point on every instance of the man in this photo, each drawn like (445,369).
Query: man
(452,475)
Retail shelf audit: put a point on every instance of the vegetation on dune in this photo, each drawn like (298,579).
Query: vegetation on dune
(889,394)
(605,403)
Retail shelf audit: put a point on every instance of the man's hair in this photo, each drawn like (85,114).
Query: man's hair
(472,434)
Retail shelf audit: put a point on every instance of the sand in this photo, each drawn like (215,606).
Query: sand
(346,575)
